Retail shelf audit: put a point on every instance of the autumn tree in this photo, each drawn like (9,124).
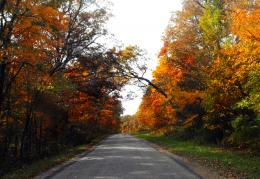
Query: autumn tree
(209,70)
(59,86)
(231,88)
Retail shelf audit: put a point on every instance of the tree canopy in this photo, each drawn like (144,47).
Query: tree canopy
(209,67)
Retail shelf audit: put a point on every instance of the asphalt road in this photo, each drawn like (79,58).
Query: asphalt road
(124,156)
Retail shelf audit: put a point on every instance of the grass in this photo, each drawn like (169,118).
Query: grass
(229,163)
(28,171)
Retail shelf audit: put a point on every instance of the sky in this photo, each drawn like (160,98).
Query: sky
(141,23)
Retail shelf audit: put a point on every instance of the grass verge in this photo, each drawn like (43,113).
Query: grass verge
(37,167)
(230,164)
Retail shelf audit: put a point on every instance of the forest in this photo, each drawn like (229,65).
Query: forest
(60,83)
(208,75)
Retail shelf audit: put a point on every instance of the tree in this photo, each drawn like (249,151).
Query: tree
(209,68)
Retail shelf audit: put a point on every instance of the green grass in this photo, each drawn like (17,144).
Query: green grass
(28,171)
(240,164)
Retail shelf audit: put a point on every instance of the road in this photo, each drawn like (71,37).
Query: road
(124,156)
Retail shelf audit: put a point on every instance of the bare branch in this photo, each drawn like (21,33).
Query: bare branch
(197,2)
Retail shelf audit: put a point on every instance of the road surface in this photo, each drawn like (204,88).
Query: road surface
(124,156)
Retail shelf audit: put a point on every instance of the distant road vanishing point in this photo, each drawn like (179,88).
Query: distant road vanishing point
(126,157)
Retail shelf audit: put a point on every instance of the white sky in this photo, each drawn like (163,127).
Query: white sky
(141,23)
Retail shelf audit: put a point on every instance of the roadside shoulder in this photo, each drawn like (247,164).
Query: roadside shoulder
(191,165)
(54,170)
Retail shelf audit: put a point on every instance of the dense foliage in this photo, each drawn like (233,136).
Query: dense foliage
(209,71)
(59,85)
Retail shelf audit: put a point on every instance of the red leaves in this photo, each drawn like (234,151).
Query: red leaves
(189,60)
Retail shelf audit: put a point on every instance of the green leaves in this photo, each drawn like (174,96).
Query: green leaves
(210,23)
(253,86)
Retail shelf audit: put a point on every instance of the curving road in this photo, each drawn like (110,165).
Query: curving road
(124,156)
